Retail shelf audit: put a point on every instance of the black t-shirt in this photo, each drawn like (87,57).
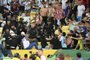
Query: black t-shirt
(2,9)
(33,32)
(5,28)
(55,42)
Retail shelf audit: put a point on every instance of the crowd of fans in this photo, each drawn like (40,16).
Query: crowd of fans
(64,24)
(40,56)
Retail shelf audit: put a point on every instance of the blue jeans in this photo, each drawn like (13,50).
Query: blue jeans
(79,18)
(32,44)
(0,46)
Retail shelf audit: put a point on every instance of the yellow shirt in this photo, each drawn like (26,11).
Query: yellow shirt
(37,58)
(65,29)
(15,59)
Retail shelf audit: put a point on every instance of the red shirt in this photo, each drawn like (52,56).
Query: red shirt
(59,14)
(85,2)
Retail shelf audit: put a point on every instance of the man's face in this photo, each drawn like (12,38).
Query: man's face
(39,52)
(33,25)
(79,2)
(7,30)
(8,22)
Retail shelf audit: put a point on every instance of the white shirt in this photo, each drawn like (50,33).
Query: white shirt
(1,40)
(64,4)
(79,59)
(63,41)
(27,5)
(8,7)
(6,1)
(26,19)
(42,57)
(81,9)
(40,4)
(25,42)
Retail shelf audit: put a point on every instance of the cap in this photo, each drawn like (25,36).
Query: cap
(23,33)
